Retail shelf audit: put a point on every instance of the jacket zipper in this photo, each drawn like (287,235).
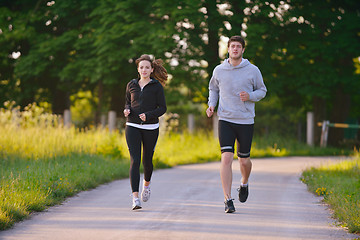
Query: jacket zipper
(141,93)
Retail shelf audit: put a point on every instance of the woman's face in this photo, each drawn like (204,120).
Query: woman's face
(145,69)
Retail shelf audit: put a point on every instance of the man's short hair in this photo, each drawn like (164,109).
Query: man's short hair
(237,39)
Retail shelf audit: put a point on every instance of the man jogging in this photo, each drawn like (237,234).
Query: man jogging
(237,84)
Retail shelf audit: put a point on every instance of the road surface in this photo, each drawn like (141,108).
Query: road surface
(187,203)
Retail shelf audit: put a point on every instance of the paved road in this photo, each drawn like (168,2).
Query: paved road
(187,203)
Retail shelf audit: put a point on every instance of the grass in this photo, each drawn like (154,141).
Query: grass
(339,184)
(43,162)
(174,149)
(41,166)
(279,146)
(32,185)
(177,149)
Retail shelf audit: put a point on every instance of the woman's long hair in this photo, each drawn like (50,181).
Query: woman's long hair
(159,72)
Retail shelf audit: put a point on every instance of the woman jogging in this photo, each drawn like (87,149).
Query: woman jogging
(144,104)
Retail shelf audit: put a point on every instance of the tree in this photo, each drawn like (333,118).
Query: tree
(311,55)
(195,27)
(305,50)
(42,35)
(15,39)
(118,33)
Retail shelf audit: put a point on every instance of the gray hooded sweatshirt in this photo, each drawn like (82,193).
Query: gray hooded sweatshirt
(226,84)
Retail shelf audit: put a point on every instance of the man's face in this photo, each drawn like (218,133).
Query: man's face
(235,50)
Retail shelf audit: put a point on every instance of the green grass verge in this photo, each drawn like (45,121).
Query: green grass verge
(279,146)
(339,184)
(31,185)
(175,149)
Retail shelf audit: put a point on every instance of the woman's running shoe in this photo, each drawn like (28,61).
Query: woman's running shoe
(136,204)
(145,194)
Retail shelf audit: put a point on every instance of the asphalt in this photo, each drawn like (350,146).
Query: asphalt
(187,203)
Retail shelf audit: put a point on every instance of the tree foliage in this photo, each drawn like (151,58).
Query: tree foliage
(305,49)
(310,64)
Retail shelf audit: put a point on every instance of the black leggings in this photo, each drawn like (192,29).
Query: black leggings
(134,138)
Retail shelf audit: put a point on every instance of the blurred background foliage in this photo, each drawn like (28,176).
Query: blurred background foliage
(79,55)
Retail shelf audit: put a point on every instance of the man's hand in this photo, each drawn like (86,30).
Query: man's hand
(244,96)
(210,111)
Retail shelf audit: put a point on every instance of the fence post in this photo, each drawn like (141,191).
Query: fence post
(162,122)
(67,118)
(112,120)
(215,118)
(191,123)
(310,128)
(15,116)
(324,133)
(103,120)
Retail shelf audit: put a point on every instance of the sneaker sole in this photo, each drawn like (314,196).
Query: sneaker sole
(136,207)
(230,211)
(145,199)
(242,200)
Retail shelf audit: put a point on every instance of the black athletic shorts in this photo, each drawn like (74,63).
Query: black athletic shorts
(243,134)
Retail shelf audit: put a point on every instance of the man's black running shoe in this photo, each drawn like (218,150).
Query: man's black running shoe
(229,206)
(243,193)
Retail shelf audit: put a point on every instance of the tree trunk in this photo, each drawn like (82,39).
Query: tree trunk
(339,114)
(26,95)
(212,55)
(26,101)
(100,103)
(118,98)
(60,101)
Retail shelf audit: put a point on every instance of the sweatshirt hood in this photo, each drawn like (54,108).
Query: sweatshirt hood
(227,65)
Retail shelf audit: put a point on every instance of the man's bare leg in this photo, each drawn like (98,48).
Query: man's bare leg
(245,169)
(226,173)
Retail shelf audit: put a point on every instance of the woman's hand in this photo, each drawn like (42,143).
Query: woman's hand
(126,112)
(142,117)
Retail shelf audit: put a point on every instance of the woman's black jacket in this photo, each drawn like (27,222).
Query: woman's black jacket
(150,100)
